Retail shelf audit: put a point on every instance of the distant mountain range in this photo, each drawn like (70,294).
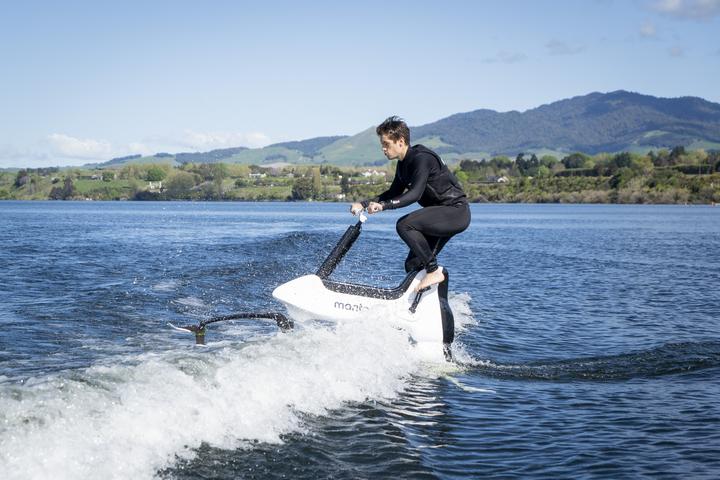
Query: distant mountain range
(594,123)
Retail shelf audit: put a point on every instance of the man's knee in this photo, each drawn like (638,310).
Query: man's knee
(402,226)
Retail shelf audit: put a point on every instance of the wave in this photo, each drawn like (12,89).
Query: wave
(148,412)
(668,359)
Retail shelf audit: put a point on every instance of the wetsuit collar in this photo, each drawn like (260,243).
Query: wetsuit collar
(410,154)
(406,153)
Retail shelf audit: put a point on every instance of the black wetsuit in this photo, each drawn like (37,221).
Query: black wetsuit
(424,178)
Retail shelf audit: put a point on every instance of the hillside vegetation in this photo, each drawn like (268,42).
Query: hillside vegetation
(595,123)
(665,176)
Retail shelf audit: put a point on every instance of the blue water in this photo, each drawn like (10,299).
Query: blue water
(588,341)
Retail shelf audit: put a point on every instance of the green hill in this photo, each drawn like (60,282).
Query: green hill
(594,123)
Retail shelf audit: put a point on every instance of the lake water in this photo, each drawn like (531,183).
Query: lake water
(588,340)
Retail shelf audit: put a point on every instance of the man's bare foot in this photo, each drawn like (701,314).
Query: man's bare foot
(431,279)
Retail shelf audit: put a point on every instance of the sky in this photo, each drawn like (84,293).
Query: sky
(87,81)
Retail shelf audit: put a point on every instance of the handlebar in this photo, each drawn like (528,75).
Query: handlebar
(361,214)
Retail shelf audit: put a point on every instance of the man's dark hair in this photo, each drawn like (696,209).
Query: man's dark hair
(395,128)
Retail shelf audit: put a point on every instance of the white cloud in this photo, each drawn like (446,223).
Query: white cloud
(559,47)
(33,156)
(89,149)
(70,147)
(11,156)
(193,141)
(647,30)
(688,9)
(677,52)
(65,150)
(504,56)
(202,141)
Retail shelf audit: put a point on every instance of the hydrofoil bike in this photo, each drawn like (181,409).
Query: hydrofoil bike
(425,315)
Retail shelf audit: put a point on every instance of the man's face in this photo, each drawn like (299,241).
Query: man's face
(391,148)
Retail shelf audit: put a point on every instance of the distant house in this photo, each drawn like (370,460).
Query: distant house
(257,175)
(497,179)
(372,173)
(155,186)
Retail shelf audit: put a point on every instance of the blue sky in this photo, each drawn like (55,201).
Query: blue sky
(85,81)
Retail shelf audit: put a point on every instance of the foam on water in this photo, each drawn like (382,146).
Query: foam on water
(464,319)
(166,286)
(132,419)
(190,302)
(460,305)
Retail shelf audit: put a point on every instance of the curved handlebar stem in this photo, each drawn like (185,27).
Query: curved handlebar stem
(284,323)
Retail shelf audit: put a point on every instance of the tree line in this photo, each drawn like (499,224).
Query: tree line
(664,176)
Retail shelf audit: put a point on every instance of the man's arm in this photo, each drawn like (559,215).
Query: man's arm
(421,171)
(396,188)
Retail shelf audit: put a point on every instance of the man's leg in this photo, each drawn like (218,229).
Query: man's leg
(431,225)
(412,262)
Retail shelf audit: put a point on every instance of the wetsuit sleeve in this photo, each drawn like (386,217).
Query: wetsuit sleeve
(418,181)
(396,188)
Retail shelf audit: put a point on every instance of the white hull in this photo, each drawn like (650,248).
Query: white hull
(308,298)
